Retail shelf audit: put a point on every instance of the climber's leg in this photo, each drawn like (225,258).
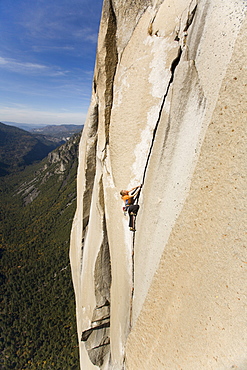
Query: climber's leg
(132,215)
(133,209)
(131,220)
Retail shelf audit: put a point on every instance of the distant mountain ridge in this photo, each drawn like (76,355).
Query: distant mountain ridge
(60,132)
(24,126)
(52,132)
(19,148)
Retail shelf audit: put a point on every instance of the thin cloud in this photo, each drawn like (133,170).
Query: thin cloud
(27,67)
(86,34)
(42,48)
(13,64)
(93,38)
(77,88)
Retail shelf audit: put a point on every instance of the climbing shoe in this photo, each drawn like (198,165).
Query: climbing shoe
(132,229)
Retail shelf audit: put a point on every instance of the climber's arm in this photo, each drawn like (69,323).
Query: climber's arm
(137,189)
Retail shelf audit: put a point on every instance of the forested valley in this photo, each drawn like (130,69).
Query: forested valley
(37,204)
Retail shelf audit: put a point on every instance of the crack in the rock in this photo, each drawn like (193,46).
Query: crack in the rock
(190,19)
(133,279)
(111,60)
(172,69)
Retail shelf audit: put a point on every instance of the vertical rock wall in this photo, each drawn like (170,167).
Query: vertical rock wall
(167,110)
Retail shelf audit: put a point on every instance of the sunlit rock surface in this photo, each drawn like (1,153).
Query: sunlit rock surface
(168,110)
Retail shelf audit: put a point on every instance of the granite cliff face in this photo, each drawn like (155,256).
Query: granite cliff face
(168,111)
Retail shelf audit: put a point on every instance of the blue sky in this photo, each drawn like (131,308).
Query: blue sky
(47,56)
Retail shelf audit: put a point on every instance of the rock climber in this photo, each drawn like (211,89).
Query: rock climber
(129,196)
